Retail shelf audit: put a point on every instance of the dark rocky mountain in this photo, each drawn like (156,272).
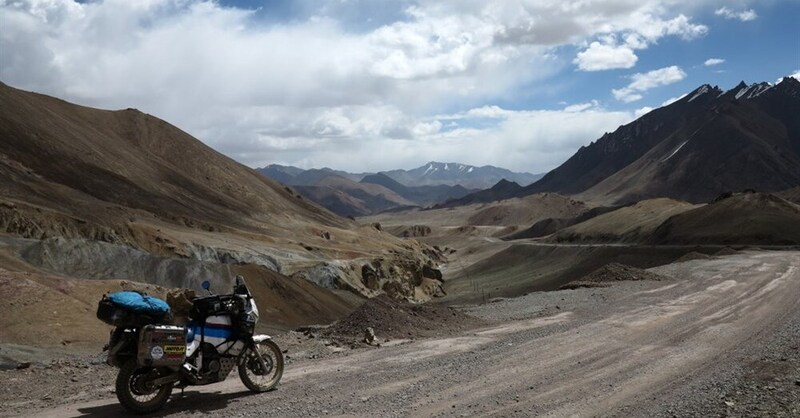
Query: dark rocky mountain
(436,173)
(792,195)
(499,191)
(710,142)
(280,173)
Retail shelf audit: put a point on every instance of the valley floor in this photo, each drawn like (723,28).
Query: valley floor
(721,337)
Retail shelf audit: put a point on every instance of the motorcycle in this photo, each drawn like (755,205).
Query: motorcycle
(154,357)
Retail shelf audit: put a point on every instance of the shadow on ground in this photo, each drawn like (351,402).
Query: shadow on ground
(190,402)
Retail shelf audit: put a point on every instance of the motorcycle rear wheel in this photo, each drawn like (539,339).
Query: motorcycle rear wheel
(250,372)
(135,394)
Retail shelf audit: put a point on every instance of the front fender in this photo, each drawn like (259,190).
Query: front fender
(261,338)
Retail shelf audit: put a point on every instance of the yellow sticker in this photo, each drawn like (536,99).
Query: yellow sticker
(174,349)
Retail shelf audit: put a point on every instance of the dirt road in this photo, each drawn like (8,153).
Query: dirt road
(683,346)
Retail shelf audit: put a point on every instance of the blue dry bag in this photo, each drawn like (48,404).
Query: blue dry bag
(139,303)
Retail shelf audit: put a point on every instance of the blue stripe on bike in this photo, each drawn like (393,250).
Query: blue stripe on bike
(213,332)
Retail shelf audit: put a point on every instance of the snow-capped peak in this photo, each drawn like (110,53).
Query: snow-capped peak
(744,91)
(758,89)
(705,88)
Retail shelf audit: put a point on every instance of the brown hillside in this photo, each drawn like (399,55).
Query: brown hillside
(517,212)
(634,223)
(741,218)
(81,162)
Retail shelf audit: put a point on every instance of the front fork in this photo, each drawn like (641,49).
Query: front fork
(253,345)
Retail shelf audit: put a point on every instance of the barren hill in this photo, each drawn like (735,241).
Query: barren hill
(634,223)
(741,218)
(513,213)
(121,195)
(105,167)
(349,198)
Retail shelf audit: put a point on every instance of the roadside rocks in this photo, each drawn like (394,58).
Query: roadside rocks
(59,381)
(694,255)
(369,336)
(612,272)
(395,319)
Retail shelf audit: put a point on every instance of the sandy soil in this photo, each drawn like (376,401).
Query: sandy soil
(634,349)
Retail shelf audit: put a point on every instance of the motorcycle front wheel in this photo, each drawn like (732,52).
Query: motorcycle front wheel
(136,394)
(253,374)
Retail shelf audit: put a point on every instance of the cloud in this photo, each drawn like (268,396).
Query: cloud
(643,111)
(744,15)
(605,57)
(641,30)
(713,61)
(795,75)
(673,100)
(641,82)
(580,107)
(337,82)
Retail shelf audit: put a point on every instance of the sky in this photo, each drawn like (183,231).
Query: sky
(370,85)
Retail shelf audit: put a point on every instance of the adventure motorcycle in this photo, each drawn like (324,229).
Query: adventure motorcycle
(153,357)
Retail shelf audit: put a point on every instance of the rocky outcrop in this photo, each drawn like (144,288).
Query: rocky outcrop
(410,274)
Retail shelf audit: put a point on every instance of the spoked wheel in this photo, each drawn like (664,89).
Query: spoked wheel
(253,373)
(135,392)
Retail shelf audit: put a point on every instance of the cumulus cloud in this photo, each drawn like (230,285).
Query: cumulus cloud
(713,61)
(331,85)
(743,15)
(605,57)
(641,82)
(641,30)
(522,139)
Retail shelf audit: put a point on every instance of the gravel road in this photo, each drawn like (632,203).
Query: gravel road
(720,337)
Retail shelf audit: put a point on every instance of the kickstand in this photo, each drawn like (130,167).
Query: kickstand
(182,389)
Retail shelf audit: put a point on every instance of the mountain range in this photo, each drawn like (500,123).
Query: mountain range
(707,143)
(431,174)
(359,194)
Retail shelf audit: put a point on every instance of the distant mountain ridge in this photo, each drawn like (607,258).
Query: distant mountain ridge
(431,174)
(423,195)
(709,142)
(436,173)
(359,194)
